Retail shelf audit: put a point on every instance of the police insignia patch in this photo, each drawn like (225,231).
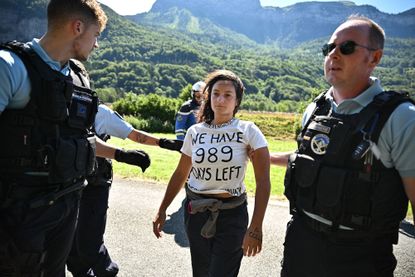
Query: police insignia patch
(318,127)
(179,118)
(319,144)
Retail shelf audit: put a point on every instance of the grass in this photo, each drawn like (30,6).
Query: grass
(279,126)
(164,162)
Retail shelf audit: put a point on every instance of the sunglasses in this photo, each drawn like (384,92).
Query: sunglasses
(346,48)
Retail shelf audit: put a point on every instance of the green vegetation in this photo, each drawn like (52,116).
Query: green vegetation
(154,113)
(279,126)
(147,59)
(164,162)
(151,112)
(144,59)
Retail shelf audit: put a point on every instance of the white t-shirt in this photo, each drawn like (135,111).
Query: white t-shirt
(220,156)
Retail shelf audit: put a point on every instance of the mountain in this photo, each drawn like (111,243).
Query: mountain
(165,58)
(201,29)
(22,19)
(287,26)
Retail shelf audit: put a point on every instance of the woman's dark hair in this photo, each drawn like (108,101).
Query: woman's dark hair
(206,113)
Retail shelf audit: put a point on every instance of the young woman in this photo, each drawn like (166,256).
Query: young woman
(215,154)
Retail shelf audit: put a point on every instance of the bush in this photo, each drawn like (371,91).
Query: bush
(151,113)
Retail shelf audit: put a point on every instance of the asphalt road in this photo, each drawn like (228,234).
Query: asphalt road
(131,243)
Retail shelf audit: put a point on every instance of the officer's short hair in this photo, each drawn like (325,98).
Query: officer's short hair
(376,33)
(88,11)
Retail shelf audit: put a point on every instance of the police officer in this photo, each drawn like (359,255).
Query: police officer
(89,256)
(349,181)
(46,150)
(187,114)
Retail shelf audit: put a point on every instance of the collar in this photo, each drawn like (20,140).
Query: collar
(355,105)
(34,44)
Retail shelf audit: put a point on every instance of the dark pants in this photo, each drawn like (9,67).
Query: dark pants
(308,253)
(221,255)
(89,256)
(38,239)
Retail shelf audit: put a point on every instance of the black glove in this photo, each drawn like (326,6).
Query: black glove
(171,144)
(134,157)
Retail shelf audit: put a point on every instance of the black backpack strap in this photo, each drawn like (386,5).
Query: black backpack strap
(322,107)
(387,109)
(373,117)
(79,74)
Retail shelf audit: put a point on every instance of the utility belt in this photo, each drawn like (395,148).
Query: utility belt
(63,160)
(337,234)
(37,194)
(102,174)
(199,203)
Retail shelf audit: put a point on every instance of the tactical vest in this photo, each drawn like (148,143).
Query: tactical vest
(50,135)
(333,173)
(103,170)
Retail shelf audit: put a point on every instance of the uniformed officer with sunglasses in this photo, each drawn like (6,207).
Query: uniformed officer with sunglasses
(350,179)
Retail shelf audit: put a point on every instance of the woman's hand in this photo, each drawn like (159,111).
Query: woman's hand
(158,223)
(252,243)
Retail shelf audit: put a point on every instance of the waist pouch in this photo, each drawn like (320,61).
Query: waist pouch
(74,158)
(103,172)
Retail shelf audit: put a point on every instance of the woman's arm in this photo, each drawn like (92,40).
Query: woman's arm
(176,182)
(252,243)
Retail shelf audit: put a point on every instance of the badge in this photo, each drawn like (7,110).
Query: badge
(319,128)
(179,118)
(319,144)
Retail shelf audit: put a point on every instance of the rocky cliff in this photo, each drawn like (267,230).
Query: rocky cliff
(289,25)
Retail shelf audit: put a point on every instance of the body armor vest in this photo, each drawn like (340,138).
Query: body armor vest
(102,174)
(50,135)
(334,174)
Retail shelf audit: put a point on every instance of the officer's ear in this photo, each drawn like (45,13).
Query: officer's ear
(376,57)
(77,27)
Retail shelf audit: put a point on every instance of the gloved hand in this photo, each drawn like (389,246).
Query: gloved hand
(134,157)
(171,144)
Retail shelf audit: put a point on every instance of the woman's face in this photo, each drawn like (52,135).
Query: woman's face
(223,99)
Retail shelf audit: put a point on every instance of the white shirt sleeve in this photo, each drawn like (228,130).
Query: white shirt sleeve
(256,138)
(111,123)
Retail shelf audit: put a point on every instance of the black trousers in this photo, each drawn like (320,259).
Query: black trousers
(308,253)
(38,239)
(221,255)
(89,256)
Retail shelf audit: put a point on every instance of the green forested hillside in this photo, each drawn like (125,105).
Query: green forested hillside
(145,59)
(149,59)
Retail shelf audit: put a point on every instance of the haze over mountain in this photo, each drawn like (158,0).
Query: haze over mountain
(287,26)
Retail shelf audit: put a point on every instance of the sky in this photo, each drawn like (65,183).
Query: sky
(130,7)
